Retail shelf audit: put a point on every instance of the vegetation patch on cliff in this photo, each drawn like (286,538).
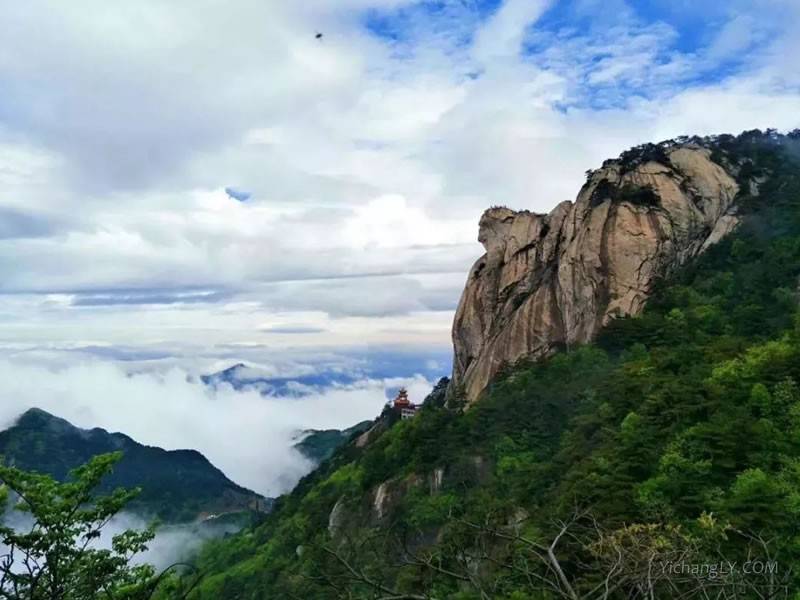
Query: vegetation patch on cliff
(638,195)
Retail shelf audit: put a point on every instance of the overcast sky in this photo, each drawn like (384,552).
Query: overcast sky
(179,180)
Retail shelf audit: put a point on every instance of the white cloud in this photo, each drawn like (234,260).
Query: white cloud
(172,543)
(390,222)
(248,436)
(502,35)
(369,160)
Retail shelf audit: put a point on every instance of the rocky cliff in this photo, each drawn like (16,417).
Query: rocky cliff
(550,281)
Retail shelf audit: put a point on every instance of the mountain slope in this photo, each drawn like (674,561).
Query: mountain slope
(319,444)
(177,485)
(674,435)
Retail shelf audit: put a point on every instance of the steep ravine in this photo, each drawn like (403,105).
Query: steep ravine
(550,281)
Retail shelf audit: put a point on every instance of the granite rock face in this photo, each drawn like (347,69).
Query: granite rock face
(550,281)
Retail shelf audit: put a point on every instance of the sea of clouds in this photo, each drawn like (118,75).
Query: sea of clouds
(248,435)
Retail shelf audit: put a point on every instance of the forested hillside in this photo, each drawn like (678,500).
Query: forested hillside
(176,485)
(673,439)
(319,444)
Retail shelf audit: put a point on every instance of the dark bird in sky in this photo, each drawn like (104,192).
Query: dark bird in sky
(318,36)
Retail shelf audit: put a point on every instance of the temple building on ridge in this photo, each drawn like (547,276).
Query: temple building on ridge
(403,405)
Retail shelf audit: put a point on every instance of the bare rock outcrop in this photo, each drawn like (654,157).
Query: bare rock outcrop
(550,281)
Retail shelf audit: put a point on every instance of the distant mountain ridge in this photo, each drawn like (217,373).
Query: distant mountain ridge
(243,377)
(177,485)
(340,370)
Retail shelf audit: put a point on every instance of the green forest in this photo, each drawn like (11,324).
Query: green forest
(615,470)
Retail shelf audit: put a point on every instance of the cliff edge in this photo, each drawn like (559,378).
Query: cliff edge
(551,281)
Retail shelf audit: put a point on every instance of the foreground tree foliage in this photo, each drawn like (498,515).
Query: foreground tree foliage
(50,539)
(507,560)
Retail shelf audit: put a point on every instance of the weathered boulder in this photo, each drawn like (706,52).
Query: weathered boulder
(550,281)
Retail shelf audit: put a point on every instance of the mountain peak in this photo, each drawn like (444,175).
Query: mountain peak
(554,280)
(176,485)
(39,418)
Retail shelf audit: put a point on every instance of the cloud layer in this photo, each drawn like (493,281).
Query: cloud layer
(247,435)
(218,169)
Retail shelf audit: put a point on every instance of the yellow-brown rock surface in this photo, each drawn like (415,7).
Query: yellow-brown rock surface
(549,281)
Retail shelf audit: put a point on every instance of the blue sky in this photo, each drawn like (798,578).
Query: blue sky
(724,33)
(198,186)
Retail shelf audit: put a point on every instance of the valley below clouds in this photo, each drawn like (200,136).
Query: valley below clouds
(250,436)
